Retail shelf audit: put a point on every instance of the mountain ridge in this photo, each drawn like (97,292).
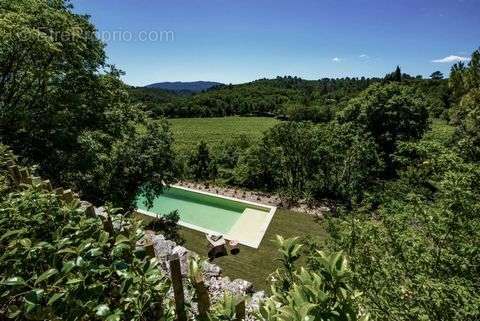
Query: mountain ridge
(181,86)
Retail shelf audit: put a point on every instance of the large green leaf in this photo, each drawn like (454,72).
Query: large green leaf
(121,239)
(54,298)
(113,317)
(74,281)
(46,275)
(14,281)
(11,233)
(68,266)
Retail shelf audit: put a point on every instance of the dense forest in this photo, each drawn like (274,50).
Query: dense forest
(398,156)
(286,97)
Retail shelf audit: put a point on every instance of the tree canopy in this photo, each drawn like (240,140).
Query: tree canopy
(63,108)
(465,81)
(389,113)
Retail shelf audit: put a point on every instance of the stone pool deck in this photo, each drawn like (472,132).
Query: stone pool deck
(250,227)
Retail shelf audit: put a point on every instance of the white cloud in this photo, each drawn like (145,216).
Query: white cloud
(364,56)
(336,59)
(451,59)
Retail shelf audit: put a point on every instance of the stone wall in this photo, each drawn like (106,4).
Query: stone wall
(216,283)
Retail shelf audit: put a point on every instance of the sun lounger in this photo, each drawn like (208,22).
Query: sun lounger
(217,245)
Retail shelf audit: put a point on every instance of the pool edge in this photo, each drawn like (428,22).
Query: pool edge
(267,207)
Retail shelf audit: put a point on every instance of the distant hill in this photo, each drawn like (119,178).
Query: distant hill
(194,87)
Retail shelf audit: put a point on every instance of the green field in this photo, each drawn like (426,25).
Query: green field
(188,132)
(255,265)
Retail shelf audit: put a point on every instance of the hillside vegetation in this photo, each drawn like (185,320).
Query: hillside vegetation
(262,97)
(287,97)
(185,87)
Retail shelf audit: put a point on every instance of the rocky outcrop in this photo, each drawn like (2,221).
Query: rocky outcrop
(217,284)
(211,270)
(257,299)
(164,249)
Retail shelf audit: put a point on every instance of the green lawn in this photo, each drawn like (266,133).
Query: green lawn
(255,265)
(188,132)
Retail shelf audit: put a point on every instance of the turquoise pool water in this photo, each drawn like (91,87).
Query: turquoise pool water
(209,212)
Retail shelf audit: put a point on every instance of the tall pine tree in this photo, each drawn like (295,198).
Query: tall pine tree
(397,75)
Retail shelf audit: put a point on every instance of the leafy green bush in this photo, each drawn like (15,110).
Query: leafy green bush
(302,294)
(414,246)
(167,225)
(58,264)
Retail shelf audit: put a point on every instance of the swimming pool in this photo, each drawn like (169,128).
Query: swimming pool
(239,220)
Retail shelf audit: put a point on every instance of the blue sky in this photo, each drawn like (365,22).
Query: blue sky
(234,41)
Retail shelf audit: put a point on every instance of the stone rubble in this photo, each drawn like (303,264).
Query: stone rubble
(216,283)
(211,270)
